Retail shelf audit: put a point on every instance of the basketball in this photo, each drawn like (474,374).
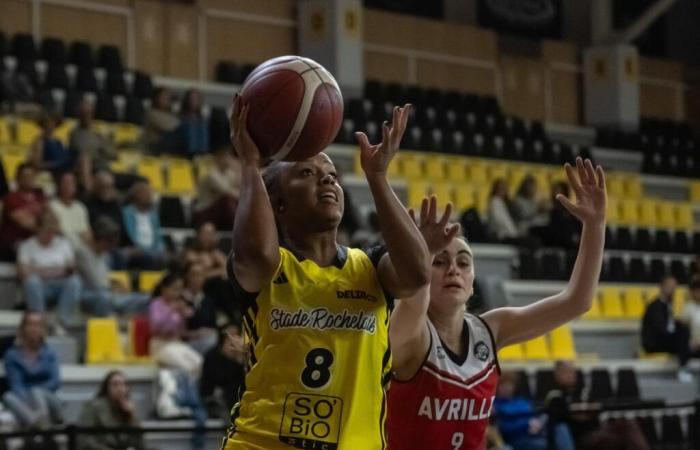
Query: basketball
(296,107)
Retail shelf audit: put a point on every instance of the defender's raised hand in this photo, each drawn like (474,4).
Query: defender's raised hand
(589,185)
(375,158)
(437,233)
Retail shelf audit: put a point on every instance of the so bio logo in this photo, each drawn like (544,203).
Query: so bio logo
(311,421)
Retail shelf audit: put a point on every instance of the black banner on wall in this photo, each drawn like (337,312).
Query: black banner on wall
(534,18)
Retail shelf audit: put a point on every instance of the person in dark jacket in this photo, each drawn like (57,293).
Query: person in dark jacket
(661,332)
(223,372)
(111,408)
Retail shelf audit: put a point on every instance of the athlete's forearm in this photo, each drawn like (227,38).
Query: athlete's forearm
(584,278)
(406,247)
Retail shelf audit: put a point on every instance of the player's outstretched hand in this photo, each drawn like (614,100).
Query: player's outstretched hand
(588,184)
(243,145)
(375,158)
(437,233)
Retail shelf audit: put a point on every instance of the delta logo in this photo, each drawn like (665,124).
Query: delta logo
(356,295)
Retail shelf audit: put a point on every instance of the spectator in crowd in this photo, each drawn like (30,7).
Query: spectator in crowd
(161,124)
(20,212)
(94,150)
(223,372)
(563,230)
(93,262)
(217,192)
(527,210)
(520,425)
(32,371)
(142,227)
(691,316)
(204,250)
(71,213)
(103,199)
(48,153)
(500,222)
(695,267)
(588,433)
(45,264)
(201,325)
(168,314)
(661,332)
(194,127)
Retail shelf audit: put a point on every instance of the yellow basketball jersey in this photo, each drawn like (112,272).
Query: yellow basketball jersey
(319,360)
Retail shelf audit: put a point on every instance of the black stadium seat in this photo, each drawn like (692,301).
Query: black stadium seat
(28,69)
(54,51)
(624,239)
(229,72)
(522,388)
(643,240)
(627,385)
(134,111)
(671,431)
(172,212)
(23,47)
(601,386)
(680,270)
(648,427)
(114,83)
(85,80)
(109,57)
(662,241)
(544,383)
(3,44)
(57,77)
(105,108)
(143,86)
(638,271)
(81,54)
(71,102)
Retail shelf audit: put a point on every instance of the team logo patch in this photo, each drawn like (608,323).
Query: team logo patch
(311,421)
(481,351)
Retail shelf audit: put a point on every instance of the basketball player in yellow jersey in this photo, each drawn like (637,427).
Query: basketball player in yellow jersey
(316,313)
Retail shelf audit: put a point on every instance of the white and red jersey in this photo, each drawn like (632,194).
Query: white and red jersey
(447,404)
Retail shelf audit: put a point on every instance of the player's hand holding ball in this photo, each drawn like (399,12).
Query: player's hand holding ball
(375,158)
(246,150)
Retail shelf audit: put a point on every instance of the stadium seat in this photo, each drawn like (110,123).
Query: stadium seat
(54,51)
(147,280)
(648,213)
(172,212)
(672,431)
(443,192)
(537,349)
(10,162)
(523,385)
(593,313)
(27,132)
(629,212)
(139,336)
(102,342)
(633,302)
(616,186)
(683,217)
(122,278)
(105,108)
(648,427)
(464,197)
(109,57)
(435,168)
(81,54)
(613,211)
(456,169)
(411,166)
(562,343)
(694,188)
(143,85)
(611,303)
(511,353)
(152,170)
(633,187)
(180,177)
(680,296)
(477,173)
(601,385)
(126,134)
(85,80)
(23,47)
(5,135)
(134,112)
(417,190)
(544,383)
(666,214)
(114,83)
(57,77)
(627,385)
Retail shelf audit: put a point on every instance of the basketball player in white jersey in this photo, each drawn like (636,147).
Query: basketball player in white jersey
(445,369)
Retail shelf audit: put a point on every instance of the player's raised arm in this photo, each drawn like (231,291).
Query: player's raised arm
(255,244)
(406,268)
(408,330)
(513,325)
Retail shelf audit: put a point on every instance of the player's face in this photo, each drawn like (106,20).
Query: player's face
(311,194)
(452,279)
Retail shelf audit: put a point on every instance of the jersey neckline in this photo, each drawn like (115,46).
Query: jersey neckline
(454,357)
(341,255)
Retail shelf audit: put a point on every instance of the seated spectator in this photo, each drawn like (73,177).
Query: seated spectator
(103,199)
(204,250)
(103,294)
(32,371)
(194,128)
(520,425)
(111,408)
(48,153)
(563,230)
(223,372)
(691,315)
(588,434)
(142,227)
(160,127)
(45,264)
(500,222)
(71,213)
(167,315)
(20,211)
(527,211)
(201,325)
(217,192)
(94,150)
(661,332)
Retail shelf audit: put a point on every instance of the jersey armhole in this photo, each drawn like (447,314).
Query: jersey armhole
(375,254)
(244,298)
(425,358)
(493,343)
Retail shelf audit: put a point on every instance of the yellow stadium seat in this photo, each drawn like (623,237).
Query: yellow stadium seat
(633,188)
(496,171)
(515,178)
(694,191)
(629,211)
(613,211)
(511,353)
(435,168)
(477,173)
(611,303)
(562,343)
(456,169)
(126,134)
(62,133)
(417,190)
(10,162)
(648,213)
(666,214)
(545,178)
(683,216)
(443,192)
(482,201)
(152,170)
(180,177)
(103,344)
(680,297)
(27,132)
(411,167)
(651,294)
(5,135)
(537,348)
(464,197)
(148,280)
(593,313)
(121,277)
(634,303)
(616,186)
